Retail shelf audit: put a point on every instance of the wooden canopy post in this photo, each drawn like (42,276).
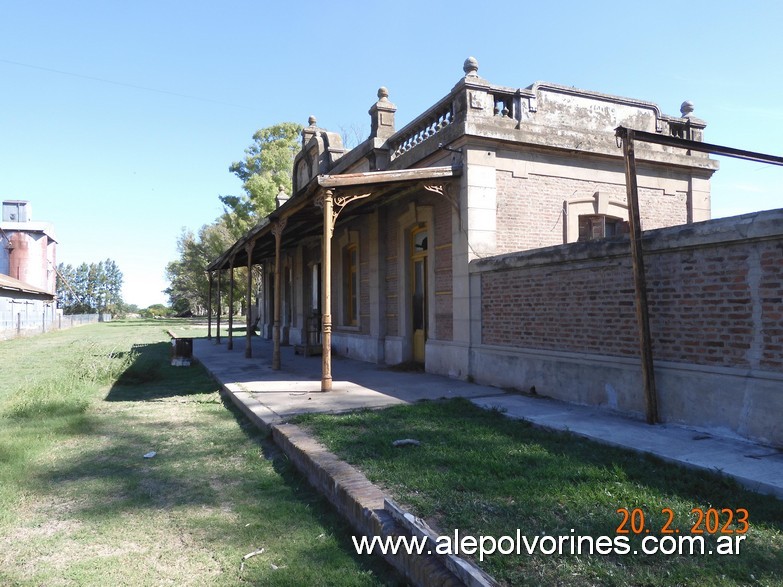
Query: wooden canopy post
(277,231)
(209,306)
(249,294)
(640,284)
(331,206)
(230,345)
(326,285)
(217,317)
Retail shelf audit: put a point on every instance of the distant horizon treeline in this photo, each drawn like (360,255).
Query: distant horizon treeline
(90,289)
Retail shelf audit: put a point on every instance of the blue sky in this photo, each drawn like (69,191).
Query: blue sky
(118,121)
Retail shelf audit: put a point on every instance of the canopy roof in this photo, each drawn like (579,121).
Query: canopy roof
(305,219)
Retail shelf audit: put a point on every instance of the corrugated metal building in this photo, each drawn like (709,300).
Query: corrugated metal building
(24,309)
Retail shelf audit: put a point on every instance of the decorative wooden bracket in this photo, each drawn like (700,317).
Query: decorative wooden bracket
(338,203)
(278,227)
(443,189)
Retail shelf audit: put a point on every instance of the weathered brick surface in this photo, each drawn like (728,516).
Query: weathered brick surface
(770,290)
(717,304)
(392,275)
(364,282)
(586,308)
(441,241)
(700,306)
(444,308)
(530,209)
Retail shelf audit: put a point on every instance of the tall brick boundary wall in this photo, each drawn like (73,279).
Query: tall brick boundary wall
(562,319)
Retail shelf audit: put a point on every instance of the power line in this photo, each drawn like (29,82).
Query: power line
(66,282)
(122,84)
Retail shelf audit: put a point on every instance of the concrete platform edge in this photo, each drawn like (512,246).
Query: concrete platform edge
(353,495)
(358,501)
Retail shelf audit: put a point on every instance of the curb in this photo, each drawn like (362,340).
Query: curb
(360,502)
(355,498)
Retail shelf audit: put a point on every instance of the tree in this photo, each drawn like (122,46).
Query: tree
(353,134)
(156,311)
(265,171)
(88,289)
(189,285)
(124,310)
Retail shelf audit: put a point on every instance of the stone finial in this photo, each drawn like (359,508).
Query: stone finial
(382,116)
(282,197)
(686,109)
(470,67)
(309,132)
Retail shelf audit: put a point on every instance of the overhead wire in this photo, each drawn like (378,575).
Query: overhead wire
(122,84)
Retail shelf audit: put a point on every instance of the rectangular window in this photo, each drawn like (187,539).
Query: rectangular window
(351,285)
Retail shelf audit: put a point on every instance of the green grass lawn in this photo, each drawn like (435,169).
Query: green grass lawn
(79,505)
(484,474)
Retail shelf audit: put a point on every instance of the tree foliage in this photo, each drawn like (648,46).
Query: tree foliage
(157,311)
(88,289)
(264,171)
(189,289)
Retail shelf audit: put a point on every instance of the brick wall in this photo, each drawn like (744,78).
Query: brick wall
(364,281)
(444,290)
(530,209)
(587,309)
(770,290)
(392,276)
(714,296)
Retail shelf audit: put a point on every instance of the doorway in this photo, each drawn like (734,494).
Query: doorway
(418,294)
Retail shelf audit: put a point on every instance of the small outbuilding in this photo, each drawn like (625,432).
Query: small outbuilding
(24,308)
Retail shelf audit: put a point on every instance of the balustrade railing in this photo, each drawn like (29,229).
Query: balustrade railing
(506,105)
(422,128)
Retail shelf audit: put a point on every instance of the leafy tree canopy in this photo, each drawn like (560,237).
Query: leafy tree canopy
(265,170)
(156,311)
(88,289)
(189,287)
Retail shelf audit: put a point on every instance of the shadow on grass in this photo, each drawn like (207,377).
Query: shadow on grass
(207,482)
(202,464)
(317,504)
(150,376)
(121,480)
